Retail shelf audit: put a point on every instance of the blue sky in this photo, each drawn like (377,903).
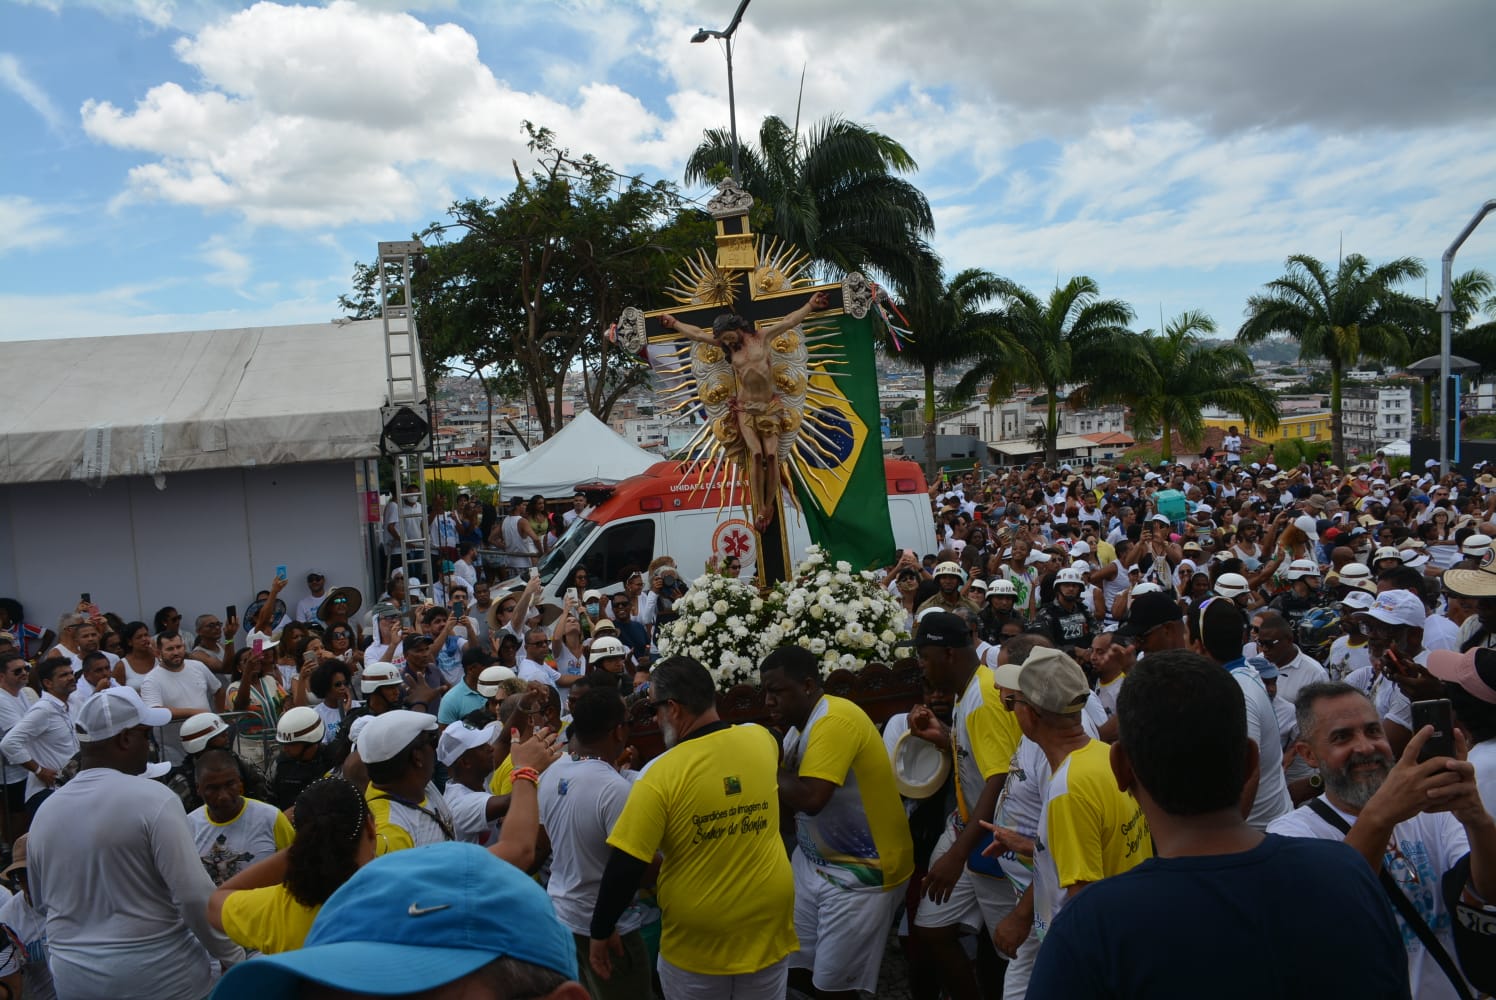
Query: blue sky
(191,164)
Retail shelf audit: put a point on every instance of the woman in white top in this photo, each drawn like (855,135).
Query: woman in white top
(140,655)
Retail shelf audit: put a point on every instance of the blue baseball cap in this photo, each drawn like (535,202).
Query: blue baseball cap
(412,921)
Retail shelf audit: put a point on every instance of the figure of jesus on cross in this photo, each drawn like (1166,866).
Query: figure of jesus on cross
(760,410)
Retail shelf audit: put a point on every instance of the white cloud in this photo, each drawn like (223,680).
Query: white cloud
(231,268)
(25,225)
(15,79)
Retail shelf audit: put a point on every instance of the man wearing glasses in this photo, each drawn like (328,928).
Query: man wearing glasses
(16,699)
(1296,669)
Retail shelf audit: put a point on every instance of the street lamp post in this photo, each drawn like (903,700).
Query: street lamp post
(1447,416)
(702,34)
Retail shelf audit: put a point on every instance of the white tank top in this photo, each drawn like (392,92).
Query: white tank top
(516,544)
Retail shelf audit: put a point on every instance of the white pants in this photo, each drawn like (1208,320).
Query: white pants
(841,931)
(769,983)
(1016,979)
(976,901)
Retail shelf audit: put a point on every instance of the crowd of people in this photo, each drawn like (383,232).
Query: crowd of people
(1257,698)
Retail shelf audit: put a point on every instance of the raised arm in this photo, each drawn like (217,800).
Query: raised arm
(815,303)
(686,330)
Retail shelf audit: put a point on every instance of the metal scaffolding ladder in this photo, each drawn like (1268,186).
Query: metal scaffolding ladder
(405,391)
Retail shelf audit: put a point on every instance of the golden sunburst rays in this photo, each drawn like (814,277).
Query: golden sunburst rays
(782,266)
(700,282)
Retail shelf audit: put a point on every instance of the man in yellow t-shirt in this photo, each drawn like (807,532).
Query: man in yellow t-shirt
(399,750)
(1088,829)
(854,850)
(710,805)
(981,738)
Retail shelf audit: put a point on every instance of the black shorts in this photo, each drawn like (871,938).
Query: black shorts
(15,797)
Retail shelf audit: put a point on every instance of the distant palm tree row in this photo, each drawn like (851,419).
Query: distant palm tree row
(833,192)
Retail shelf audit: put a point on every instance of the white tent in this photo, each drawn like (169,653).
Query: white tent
(183,468)
(1398,447)
(584,451)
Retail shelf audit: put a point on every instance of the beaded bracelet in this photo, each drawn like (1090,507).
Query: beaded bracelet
(526,774)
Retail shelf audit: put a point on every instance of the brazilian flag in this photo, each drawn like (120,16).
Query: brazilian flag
(841,485)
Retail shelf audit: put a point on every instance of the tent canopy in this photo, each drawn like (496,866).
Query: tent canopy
(584,451)
(152,404)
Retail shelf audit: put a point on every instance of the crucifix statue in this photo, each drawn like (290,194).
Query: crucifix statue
(735,347)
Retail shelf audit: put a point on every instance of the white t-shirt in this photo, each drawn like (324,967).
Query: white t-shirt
(193,686)
(1272,798)
(1440,633)
(28,925)
(1231,445)
(77,659)
(306,608)
(529,670)
(228,848)
(470,822)
(116,876)
(1482,757)
(1391,704)
(1344,658)
(12,708)
(580,800)
(1429,844)
(1106,694)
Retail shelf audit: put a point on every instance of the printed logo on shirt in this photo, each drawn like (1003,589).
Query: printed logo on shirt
(732,786)
(562,785)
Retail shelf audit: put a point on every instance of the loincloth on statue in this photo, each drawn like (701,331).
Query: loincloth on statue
(767,416)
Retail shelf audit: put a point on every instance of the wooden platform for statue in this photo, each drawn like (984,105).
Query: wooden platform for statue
(882,691)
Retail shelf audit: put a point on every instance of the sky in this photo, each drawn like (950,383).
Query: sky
(197,164)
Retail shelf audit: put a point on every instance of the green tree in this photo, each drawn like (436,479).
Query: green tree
(1353,313)
(833,192)
(950,323)
(1073,338)
(522,294)
(1470,292)
(1182,375)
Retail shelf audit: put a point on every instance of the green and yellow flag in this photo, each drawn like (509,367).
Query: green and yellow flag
(841,485)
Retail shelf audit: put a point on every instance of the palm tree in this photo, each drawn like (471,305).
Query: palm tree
(1183,375)
(1342,317)
(1074,337)
(833,193)
(1470,292)
(949,323)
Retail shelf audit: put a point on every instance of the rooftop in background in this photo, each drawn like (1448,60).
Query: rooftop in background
(152,404)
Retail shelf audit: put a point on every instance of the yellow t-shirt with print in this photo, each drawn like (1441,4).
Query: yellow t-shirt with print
(710,805)
(1094,829)
(501,782)
(267,920)
(860,838)
(984,736)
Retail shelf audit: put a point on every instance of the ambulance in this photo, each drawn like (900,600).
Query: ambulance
(685,515)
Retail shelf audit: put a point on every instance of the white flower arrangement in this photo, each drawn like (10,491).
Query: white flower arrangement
(844,618)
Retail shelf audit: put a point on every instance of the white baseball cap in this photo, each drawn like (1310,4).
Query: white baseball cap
(111,711)
(1358,600)
(458,738)
(388,734)
(1397,607)
(378,675)
(200,729)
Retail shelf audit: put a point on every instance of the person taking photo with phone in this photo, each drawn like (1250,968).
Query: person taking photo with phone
(1416,818)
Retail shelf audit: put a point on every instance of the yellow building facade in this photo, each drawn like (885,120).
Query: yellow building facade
(1312,426)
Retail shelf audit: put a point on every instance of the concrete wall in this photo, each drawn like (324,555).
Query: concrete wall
(207,540)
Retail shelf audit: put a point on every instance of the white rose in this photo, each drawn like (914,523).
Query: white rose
(889,637)
(868,640)
(699,629)
(756,605)
(817,646)
(708,618)
(827,600)
(699,601)
(842,638)
(849,662)
(720,607)
(817,612)
(804,642)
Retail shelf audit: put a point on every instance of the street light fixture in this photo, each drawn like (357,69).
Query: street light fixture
(702,34)
(1447,414)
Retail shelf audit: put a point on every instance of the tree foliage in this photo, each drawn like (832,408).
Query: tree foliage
(1354,312)
(520,291)
(1074,337)
(833,192)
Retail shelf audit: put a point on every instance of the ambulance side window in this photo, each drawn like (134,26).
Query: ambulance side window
(621,548)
